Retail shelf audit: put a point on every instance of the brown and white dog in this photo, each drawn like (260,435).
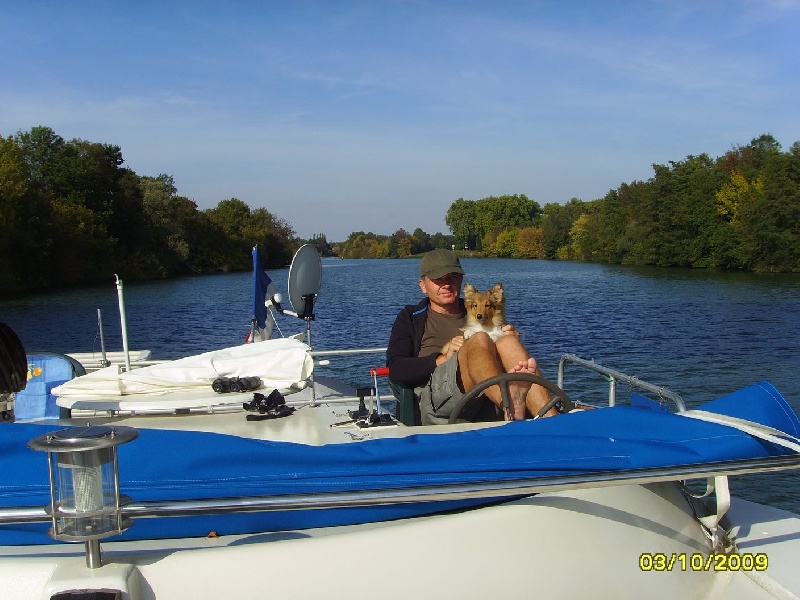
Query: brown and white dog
(485,312)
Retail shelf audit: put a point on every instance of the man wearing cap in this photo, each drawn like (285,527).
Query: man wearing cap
(421,331)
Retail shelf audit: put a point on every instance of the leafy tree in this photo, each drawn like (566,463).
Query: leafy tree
(530,242)
(488,243)
(363,245)
(505,211)
(506,244)
(461,219)
(611,222)
(440,240)
(420,242)
(165,249)
(74,211)
(556,224)
(272,234)
(43,152)
(473,221)
(232,216)
(320,243)
(402,244)
(580,240)
(15,195)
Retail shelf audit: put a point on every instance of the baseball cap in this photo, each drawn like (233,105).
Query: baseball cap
(438,263)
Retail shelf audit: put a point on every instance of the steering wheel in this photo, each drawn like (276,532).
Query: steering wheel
(502,380)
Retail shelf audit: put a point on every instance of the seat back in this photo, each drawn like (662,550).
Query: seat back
(45,371)
(407,404)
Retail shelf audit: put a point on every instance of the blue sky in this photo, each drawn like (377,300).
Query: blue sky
(374,116)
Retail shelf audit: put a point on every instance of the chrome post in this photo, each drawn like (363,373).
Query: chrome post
(93,557)
(104,361)
(612,391)
(123,323)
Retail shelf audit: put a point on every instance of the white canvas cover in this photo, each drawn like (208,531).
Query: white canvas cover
(281,363)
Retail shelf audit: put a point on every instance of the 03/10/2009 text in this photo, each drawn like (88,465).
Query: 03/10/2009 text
(660,561)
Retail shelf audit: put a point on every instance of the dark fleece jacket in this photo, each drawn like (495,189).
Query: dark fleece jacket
(406,367)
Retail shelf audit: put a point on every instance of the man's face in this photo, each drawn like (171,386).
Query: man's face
(443,292)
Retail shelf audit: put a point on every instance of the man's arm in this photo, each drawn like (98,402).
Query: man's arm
(405,367)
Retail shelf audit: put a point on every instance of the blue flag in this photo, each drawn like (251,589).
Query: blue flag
(262,289)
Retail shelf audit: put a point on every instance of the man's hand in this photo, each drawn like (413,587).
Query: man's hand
(509,330)
(452,347)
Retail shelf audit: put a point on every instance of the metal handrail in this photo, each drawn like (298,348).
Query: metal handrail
(491,490)
(613,376)
(315,353)
(346,352)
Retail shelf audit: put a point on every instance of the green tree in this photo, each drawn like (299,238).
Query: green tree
(320,243)
(15,195)
(530,243)
(461,219)
(420,242)
(506,245)
(402,244)
(556,224)
(273,234)
(580,246)
(440,240)
(771,216)
(611,225)
(363,245)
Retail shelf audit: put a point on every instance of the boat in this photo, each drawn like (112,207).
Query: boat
(151,484)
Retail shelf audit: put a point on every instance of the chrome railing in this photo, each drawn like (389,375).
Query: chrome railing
(613,376)
(430,493)
(347,352)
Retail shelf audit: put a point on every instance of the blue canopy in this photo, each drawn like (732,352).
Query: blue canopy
(176,465)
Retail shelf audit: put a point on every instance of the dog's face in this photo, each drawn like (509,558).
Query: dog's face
(484,307)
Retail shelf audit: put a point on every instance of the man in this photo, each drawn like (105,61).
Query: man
(420,333)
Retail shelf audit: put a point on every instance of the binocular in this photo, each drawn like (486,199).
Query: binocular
(224,385)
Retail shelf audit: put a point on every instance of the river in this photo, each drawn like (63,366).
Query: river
(702,334)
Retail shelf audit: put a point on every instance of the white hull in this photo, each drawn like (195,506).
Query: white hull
(560,545)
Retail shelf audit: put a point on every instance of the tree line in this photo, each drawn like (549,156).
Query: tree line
(71,214)
(400,244)
(738,211)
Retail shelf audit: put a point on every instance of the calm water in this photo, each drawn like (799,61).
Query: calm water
(701,334)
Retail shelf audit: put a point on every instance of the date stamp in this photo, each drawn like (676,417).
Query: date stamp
(683,561)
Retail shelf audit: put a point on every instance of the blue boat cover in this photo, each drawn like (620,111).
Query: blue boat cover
(175,465)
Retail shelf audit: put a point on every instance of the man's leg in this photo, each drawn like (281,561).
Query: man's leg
(479,359)
(515,359)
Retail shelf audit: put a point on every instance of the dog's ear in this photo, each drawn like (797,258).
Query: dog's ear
(469,290)
(497,293)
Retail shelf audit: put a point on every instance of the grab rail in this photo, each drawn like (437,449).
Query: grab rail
(346,352)
(613,376)
(426,493)
(315,353)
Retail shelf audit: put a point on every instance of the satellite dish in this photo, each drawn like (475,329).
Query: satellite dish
(305,279)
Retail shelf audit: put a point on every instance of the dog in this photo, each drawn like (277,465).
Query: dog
(485,312)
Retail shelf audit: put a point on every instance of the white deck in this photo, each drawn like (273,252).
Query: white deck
(324,422)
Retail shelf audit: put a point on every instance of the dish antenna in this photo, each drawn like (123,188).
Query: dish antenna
(305,280)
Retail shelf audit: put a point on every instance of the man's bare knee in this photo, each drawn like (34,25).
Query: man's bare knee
(479,342)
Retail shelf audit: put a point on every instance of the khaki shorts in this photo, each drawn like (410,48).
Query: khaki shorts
(437,397)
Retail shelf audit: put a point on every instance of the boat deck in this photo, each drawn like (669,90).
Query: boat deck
(323,420)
